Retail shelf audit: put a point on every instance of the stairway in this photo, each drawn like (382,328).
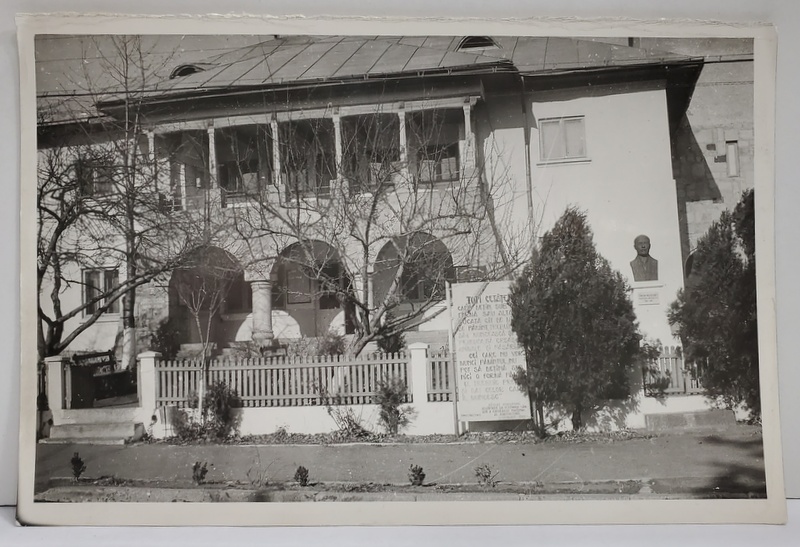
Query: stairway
(97,426)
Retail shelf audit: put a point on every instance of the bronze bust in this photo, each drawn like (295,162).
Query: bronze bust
(644,266)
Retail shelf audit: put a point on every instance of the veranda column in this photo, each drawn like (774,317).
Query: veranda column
(341,182)
(468,156)
(262,312)
(276,156)
(212,157)
(401,115)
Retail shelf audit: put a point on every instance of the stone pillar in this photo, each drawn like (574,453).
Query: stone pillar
(56,393)
(262,312)
(146,385)
(418,365)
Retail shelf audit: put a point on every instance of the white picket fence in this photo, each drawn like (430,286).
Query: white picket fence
(284,381)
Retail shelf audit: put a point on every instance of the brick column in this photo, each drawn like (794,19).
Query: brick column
(262,312)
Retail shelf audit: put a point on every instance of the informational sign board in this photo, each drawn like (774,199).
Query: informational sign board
(487,354)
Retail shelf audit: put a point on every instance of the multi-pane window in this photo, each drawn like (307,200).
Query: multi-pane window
(95,177)
(562,139)
(96,283)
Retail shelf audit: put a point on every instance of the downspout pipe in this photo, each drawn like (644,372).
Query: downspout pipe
(528,173)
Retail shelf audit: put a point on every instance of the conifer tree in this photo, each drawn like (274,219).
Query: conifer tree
(573,315)
(715,314)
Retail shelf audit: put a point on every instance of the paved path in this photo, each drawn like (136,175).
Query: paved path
(733,456)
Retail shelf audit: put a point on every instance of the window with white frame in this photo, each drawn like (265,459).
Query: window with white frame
(97,282)
(562,139)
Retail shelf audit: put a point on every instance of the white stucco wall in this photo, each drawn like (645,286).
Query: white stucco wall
(625,184)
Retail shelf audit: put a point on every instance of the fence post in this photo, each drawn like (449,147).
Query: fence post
(55,382)
(418,365)
(146,383)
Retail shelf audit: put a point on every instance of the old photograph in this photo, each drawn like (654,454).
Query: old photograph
(304,268)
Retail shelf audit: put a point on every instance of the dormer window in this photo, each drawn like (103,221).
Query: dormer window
(477,42)
(185,70)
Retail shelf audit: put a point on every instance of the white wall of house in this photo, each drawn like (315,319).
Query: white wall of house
(624,183)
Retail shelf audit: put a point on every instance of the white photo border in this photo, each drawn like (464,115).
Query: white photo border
(769,510)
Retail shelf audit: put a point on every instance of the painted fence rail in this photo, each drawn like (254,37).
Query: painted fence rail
(284,381)
(673,375)
(440,376)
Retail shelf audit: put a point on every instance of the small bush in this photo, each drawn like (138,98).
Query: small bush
(219,404)
(301,476)
(391,394)
(219,422)
(486,475)
(332,343)
(166,338)
(199,472)
(78,466)
(416,475)
(258,478)
(281,435)
(348,424)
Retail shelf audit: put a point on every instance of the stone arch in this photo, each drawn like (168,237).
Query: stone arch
(210,290)
(310,285)
(427,265)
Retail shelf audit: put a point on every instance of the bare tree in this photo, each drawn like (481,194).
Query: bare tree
(106,222)
(379,228)
(202,286)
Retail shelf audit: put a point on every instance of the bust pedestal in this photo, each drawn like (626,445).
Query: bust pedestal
(651,304)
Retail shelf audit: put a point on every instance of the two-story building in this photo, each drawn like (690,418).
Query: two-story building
(456,151)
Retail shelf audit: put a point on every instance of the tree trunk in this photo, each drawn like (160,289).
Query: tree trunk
(577,422)
(542,433)
(129,307)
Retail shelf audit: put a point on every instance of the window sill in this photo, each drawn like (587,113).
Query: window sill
(105,318)
(569,161)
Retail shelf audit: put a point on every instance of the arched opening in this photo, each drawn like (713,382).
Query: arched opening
(208,298)
(311,285)
(427,265)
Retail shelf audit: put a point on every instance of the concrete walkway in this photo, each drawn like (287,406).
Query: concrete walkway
(701,460)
